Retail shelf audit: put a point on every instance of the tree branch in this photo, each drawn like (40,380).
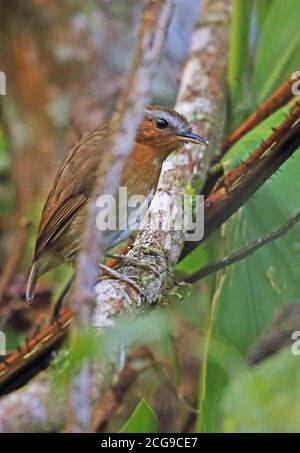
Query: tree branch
(245,252)
(21,364)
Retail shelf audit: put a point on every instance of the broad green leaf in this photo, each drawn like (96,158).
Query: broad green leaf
(238,62)
(262,9)
(248,292)
(143,420)
(278,53)
(265,398)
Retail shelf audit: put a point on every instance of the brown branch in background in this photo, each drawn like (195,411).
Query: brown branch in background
(285,324)
(202,98)
(134,98)
(22,363)
(245,252)
(279,98)
(235,188)
(17,250)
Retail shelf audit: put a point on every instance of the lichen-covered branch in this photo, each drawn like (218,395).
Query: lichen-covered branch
(202,99)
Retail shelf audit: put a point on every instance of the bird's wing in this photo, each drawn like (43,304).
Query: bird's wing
(72,186)
(60,219)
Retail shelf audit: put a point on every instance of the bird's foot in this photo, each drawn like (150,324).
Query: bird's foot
(115,274)
(134,262)
(152,251)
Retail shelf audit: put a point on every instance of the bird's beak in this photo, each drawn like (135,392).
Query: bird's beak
(191,137)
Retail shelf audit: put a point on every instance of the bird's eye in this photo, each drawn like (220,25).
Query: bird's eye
(162,124)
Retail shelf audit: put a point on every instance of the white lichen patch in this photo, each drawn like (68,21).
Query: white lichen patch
(180,159)
(201,39)
(103,311)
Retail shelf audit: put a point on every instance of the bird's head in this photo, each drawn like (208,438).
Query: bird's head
(166,130)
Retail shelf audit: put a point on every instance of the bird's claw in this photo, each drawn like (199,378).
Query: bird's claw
(134,262)
(115,274)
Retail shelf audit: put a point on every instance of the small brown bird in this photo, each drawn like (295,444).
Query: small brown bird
(63,217)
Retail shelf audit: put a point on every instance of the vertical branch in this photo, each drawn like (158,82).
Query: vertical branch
(202,99)
(134,98)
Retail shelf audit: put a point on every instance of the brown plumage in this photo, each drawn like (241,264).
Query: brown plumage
(63,217)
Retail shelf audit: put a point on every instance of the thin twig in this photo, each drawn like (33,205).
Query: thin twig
(245,252)
(280,334)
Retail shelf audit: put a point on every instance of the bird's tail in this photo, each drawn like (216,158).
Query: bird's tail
(32,279)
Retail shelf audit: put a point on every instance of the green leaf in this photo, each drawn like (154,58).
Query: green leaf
(265,398)
(262,9)
(248,293)
(278,53)
(143,420)
(238,61)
